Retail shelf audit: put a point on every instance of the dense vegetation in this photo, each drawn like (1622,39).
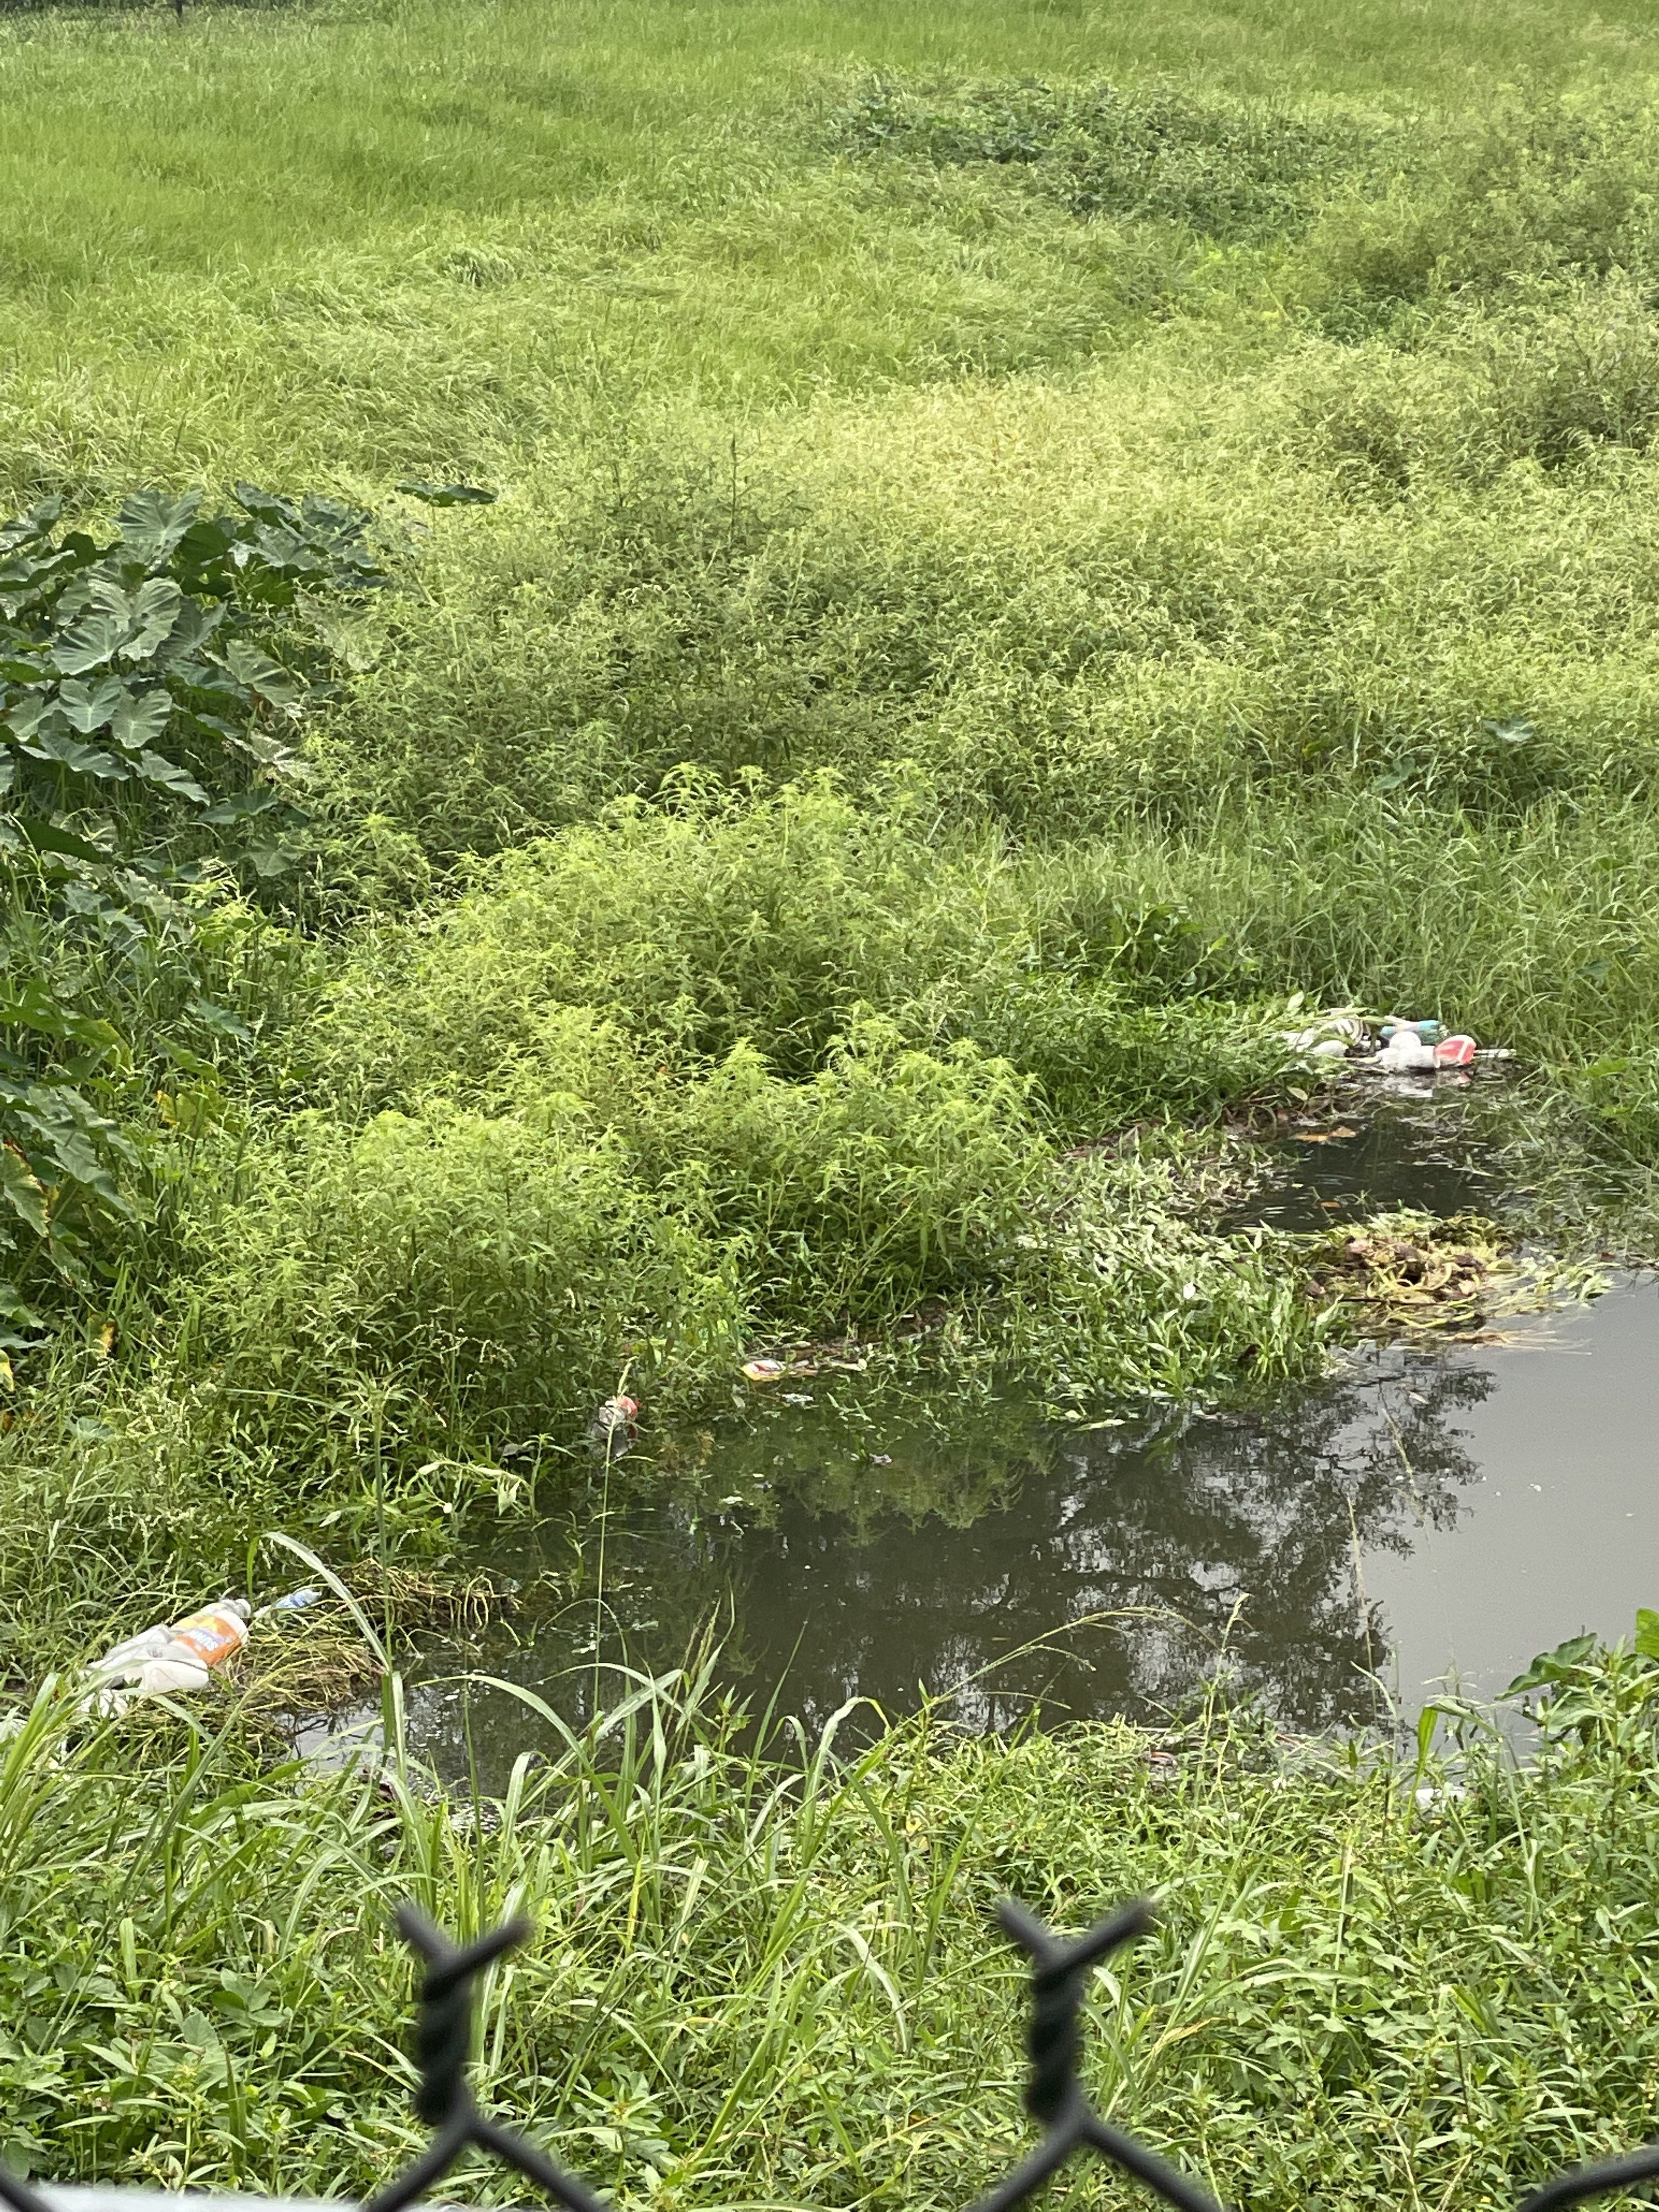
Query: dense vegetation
(773,1980)
(1004,566)
(851,604)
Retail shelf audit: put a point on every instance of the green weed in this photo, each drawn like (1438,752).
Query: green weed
(767,1970)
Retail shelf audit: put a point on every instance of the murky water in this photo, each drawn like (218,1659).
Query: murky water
(1420,1513)
(1405,1143)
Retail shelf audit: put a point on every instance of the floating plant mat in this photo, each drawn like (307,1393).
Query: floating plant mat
(1407,1272)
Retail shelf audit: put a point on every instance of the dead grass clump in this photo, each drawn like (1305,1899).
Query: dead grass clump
(1410,1271)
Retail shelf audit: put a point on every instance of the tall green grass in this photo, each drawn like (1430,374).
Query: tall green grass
(765,1973)
(1024,541)
(521,229)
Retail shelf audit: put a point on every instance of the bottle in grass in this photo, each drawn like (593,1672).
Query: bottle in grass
(172,1656)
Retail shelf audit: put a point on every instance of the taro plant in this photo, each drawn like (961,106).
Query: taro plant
(151,691)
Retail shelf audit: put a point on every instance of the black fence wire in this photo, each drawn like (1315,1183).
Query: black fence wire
(1054,2097)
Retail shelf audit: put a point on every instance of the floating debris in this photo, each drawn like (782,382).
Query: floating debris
(1409,1271)
(774,1371)
(614,1426)
(1395,1045)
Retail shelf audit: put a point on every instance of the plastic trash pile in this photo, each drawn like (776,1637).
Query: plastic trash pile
(181,1655)
(1393,1046)
(614,1426)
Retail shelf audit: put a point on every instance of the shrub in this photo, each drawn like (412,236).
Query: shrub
(1225,167)
(1550,190)
(146,732)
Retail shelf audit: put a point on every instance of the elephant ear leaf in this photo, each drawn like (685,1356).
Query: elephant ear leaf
(261,675)
(88,707)
(140,719)
(152,525)
(80,760)
(156,608)
(91,642)
(168,776)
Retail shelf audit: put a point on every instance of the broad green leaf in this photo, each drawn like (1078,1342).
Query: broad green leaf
(262,674)
(270,752)
(272,860)
(155,769)
(24,716)
(47,837)
(92,641)
(69,752)
(25,529)
(284,548)
(195,625)
(32,1007)
(151,524)
(76,1157)
(154,610)
(141,719)
(242,803)
(89,705)
(1552,1666)
(1647,1632)
(220,1019)
(265,506)
(25,1196)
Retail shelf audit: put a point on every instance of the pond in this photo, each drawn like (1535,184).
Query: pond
(1425,1512)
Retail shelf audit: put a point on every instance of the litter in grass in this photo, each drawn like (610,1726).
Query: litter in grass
(1395,1045)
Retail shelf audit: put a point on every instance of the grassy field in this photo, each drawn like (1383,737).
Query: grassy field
(1023,538)
(995,585)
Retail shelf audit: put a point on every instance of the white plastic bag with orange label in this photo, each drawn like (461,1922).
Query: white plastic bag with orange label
(166,1659)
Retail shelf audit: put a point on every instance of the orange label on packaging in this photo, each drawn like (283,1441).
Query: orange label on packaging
(213,1636)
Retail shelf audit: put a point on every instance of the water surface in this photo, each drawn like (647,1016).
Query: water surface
(1428,1512)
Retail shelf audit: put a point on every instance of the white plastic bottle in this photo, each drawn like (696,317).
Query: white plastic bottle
(172,1657)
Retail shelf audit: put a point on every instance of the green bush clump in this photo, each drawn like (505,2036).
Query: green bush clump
(148,740)
(478,1279)
(1225,168)
(484,1278)
(775,921)
(1555,376)
(1545,189)
(489,1276)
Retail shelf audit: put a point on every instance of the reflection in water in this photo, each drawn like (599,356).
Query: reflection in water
(846,1578)
(843,1553)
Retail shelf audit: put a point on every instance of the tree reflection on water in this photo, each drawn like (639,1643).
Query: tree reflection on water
(1129,1558)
